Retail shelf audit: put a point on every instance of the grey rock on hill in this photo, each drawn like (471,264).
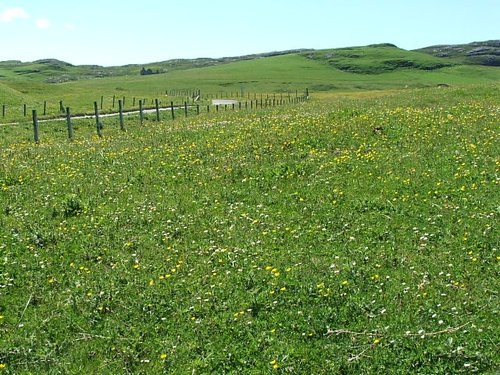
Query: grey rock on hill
(477,53)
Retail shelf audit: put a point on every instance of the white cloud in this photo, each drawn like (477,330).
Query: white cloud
(12,14)
(42,23)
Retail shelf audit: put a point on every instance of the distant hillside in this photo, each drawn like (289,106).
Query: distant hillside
(380,66)
(56,71)
(377,59)
(476,53)
(373,59)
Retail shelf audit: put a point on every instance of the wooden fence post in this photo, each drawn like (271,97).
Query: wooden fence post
(102,100)
(44,107)
(185,109)
(36,135)
(172,110)
(157,107)
(68,122)
(197,109)
(141,113)
(3,110)
(61,107)
(120,109)
(98,123)
(24,110)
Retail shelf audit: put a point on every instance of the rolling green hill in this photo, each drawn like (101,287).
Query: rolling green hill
(375,67)
(373,59)
(377,59)
(56,71)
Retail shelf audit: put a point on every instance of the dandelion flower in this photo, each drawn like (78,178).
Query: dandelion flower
(275,364)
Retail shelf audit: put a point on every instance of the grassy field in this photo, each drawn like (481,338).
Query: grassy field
(354,233)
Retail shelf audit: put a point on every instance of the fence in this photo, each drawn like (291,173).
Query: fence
(191,96)
(260,101)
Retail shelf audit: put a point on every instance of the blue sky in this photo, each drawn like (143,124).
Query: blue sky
(110,32)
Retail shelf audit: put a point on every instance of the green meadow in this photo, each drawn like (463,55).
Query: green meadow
(353,233)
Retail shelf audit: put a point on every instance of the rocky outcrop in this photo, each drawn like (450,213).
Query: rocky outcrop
(477,53)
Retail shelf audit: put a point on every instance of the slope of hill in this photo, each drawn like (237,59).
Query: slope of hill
(56,71)
(373,59)
(376,59)
(476,53)
(9,95)
(375,67)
